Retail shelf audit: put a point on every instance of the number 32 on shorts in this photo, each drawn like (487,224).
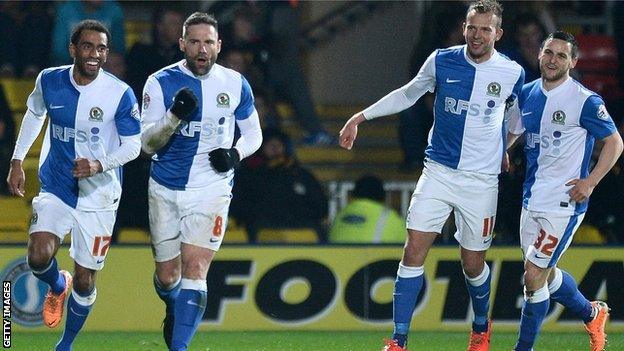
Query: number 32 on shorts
(545,244)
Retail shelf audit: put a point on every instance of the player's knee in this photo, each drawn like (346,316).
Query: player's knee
(534,278)
(84,283)
(168,277)
(39,254)
(194,269)
(472,269)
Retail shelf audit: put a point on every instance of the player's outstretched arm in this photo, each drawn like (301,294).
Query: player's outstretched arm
(348,133)
(611,151)
(16,178)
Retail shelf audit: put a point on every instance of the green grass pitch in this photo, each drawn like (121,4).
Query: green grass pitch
(298,341)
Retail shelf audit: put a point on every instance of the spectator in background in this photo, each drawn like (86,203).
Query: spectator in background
(23,23)
(285,72)
(254,26)
(266,109)
(278,193)
(7,140)
(70,13)
(367,219)
(145,59)
(239,60)
(529,35)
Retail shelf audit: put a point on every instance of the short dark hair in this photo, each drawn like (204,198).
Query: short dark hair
(485,6)
(89,24)
(567,37)
(200,18)
(369,187)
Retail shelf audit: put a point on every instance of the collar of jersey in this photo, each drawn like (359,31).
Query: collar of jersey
(83,87)
(490,61)
(557,89)
(188,71)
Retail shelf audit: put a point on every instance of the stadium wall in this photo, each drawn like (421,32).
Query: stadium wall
(317,288)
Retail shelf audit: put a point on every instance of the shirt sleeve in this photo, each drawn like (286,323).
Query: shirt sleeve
(32,122)
(596,119)
(246,106)
(128,116)
(157,124)
(153,102)
(251,135)
(515,103)
(407,95)
(128,150)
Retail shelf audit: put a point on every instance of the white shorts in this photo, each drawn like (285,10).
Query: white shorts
(471,196)
(193,216)
(544,237)
(91,231)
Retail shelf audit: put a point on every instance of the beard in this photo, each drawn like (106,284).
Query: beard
(485,49)
(551,76)
(81,65)
(191,63)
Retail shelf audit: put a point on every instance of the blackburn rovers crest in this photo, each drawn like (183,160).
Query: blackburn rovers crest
(602,113)
(558,117)
(494,89)
(223,100)
(96,114)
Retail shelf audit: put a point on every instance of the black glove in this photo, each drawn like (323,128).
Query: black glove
(184,104)
(223,160)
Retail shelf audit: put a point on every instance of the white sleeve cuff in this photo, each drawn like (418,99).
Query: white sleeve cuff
(128,150)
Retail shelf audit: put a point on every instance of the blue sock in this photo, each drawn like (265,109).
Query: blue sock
(189,310)
(52,277)
(571,298)
(168,296)
(76,317)
(534,310)
(406,290)
(480,297)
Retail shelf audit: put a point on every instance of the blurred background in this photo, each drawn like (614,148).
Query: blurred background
(311,66)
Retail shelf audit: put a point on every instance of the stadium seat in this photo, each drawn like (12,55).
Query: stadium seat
(31,170)
(588,234)
(597,53)
(288,236)
(15,216)
(605,84)
(13,237)
(17,91)
(235,233)
(133,236)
